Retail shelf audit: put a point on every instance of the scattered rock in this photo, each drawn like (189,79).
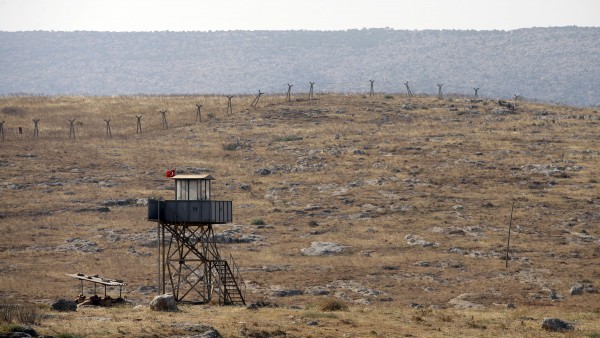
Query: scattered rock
(312,323)
(262,171)
(554,295)
(148,289)
(556,324)
(402,207)
(416,240)
(576,290)
(96,209)
(18,331)
(119,202)
(108,184)
(460,302)
(197,330)
(142,202)
(79,244)
(459,232)
(317,291)
(501,111)
(235,235)
(356,287)
(278,291)
(164,302)
(273,268)
(323,249)
(64,305)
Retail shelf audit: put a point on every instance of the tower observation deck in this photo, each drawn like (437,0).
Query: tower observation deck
(189,263)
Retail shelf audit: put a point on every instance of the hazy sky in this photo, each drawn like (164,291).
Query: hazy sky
(204,15)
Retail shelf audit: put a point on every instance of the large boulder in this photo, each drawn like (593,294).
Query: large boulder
(164,302)
(64,305)
(556,324)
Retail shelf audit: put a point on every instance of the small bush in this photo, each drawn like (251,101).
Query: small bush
(475,325)
(288,138)
(388,97)
(10,327)
(230,146)
(14,313)
(257,221)
(332,304)
(9,330)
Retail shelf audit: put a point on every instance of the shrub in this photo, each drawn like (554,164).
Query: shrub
(288,138)
(257,221)
(14,330)
(230,146)
(388,97)
(24,314)
(332,304)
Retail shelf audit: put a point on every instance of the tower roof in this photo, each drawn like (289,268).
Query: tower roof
(193,177)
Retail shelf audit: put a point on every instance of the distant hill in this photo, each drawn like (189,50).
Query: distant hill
(548,64)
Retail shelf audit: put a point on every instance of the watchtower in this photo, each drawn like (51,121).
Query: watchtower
(189,262)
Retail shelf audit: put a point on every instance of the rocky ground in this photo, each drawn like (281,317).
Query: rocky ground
(380,203)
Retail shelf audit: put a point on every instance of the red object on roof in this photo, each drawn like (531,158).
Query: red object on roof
(170,173)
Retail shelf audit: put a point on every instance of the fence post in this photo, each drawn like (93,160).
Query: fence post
(36,129)
(138,129)
(108,131)
(72,129)
(229,107)
(255,102)
(288,96)
(198,113)
(408,89)
(2,130)
(164,119)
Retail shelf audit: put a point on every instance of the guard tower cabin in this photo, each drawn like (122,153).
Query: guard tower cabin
(189,263)
(192,203)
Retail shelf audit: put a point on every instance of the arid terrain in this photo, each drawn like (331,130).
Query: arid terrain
(411,197)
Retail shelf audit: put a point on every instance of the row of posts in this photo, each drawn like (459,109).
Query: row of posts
(254,104)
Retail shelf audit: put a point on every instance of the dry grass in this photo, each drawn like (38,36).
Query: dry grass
(367,171)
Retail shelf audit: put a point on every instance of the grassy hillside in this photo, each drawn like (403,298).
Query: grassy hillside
(417,191)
